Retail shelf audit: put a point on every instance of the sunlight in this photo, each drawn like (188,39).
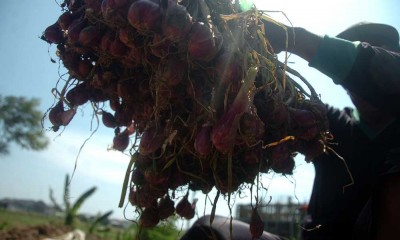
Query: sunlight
(319,16)
(246,4)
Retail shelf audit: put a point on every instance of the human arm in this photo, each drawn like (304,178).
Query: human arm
(300,41)
(370,74)
(375,77)
(332,56)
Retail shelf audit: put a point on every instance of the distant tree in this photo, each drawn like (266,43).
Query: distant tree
(20,122)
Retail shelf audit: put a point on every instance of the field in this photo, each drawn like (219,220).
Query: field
(9,219)
(29,226)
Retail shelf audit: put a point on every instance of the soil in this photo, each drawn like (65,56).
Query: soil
(37,232)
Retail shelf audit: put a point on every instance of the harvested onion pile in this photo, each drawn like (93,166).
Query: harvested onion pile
(196,93)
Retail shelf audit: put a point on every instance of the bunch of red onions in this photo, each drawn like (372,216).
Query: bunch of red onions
(194,92)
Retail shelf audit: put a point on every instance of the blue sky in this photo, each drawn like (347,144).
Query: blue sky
(26,70)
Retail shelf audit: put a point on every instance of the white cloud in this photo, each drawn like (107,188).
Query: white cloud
(94,160)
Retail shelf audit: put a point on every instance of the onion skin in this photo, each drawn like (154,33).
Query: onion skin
(224,132)
(256,224)
(166,208)
(302,118)
(125,87)
(252,156)
(304,124)
(115,104)
(221,183)
(75,29)
(121,3)
(137,177)
(54,114)
(145,16)
(173,71)
(131,128)
(98,95)
(146,196)
(65,20)
(186,209)
(149,217)
(108,120)
(67,116)
(280,114)
(132,197)
(89,36)
(177,22)
(309,133)
(134,57)
(121,141)
(107,9)
(202,143)
(93,6)
(310,149)
(70,58)
(204,42)
(117,48)
(143,162)
(74,5)
(281,159)
(130,37)
(252,127)
(53,34)
(176,179)
(106,41)
(151,141)
(123,117)
(229,69)
(153,177)
(60,117)
(78,95)
(160,46)
(123,35)
(81,69)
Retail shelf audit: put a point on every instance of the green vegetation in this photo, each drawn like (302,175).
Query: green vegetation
(10,220)
(99,220)
(71,210)
(165,231)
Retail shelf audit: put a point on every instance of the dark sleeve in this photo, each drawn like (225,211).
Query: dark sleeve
(333,206)
(375,77)
(371,73)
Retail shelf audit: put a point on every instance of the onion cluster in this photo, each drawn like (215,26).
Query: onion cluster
(195,93)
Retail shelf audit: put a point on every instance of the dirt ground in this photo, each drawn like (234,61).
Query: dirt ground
(37,233)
